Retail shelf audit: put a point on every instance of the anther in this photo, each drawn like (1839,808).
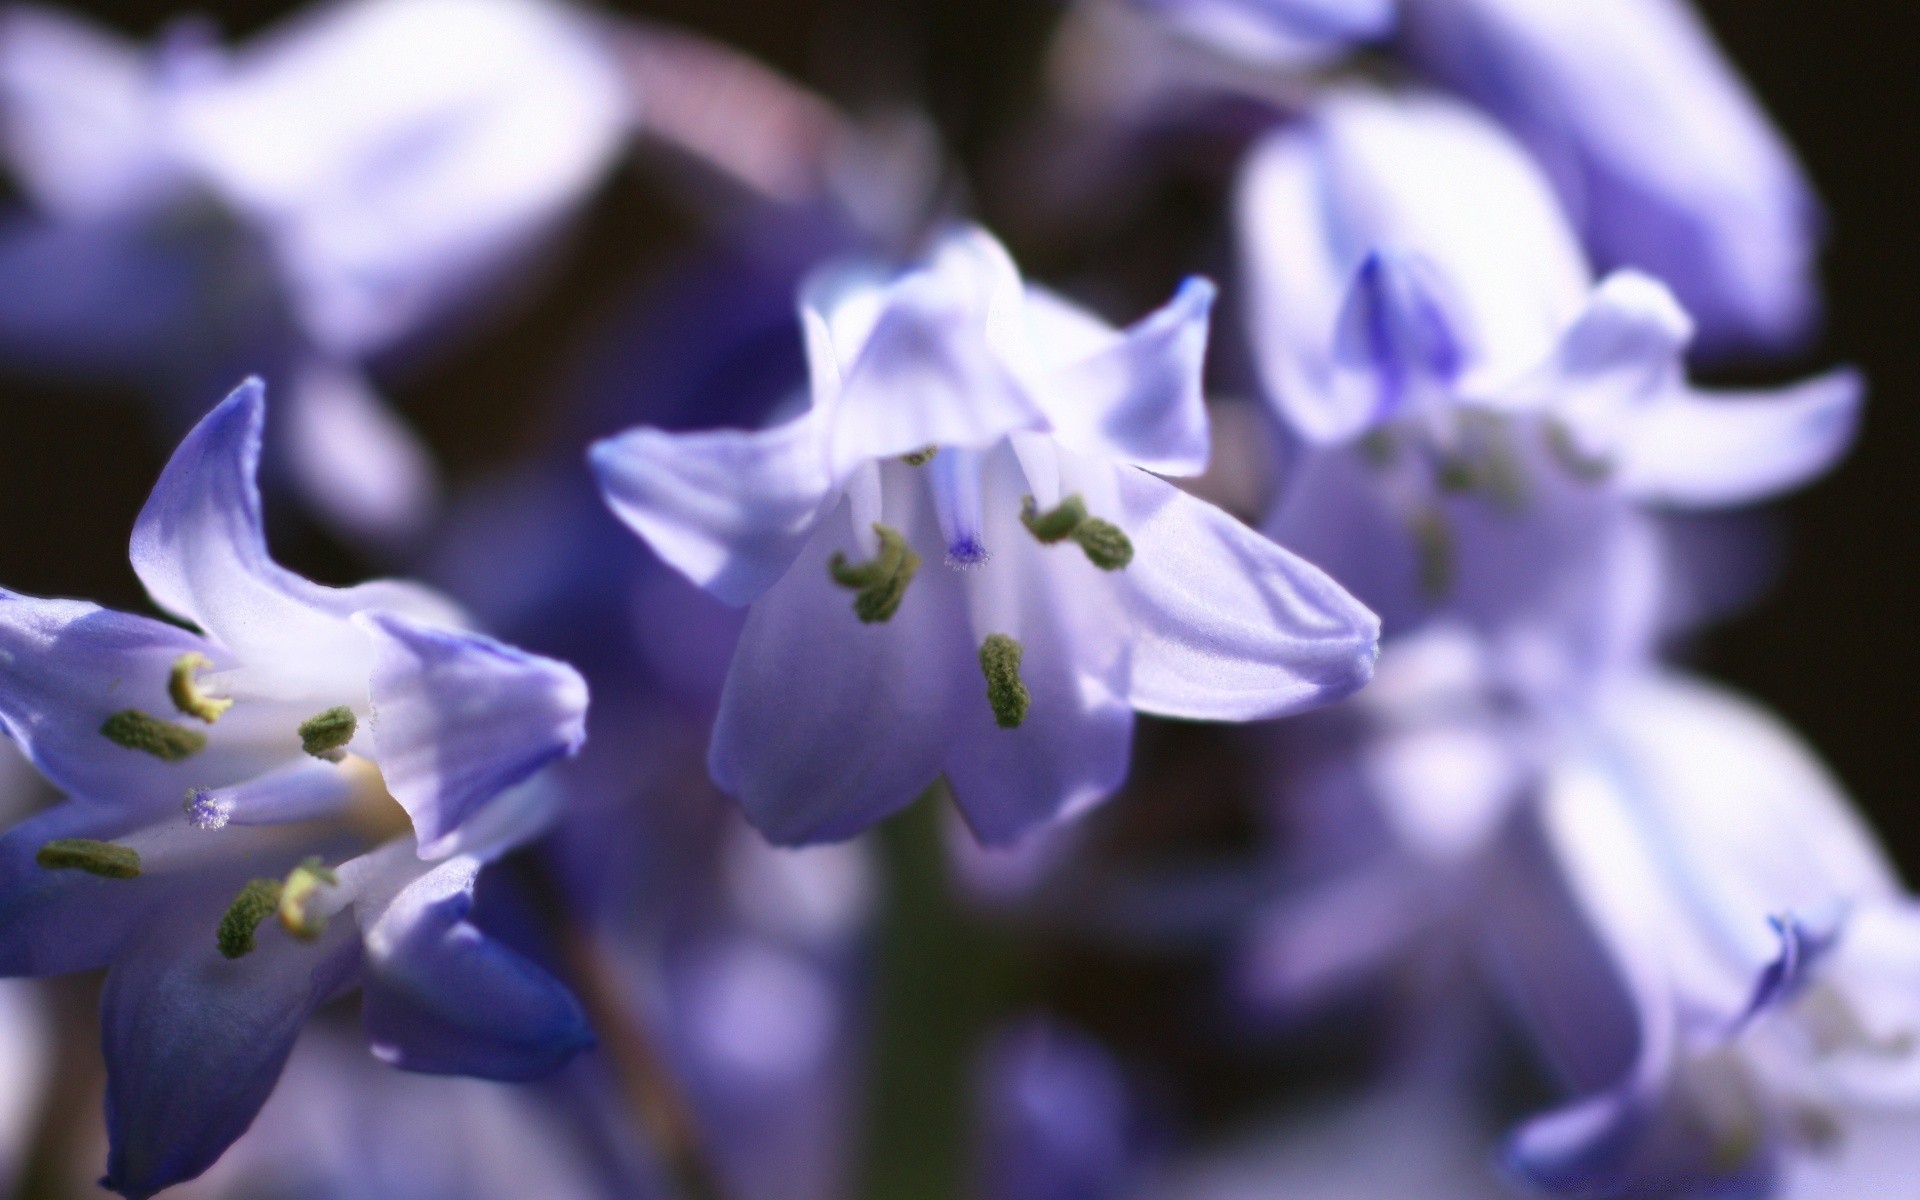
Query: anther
(1566,449)
(184,688)
(296,895)
(255,903)
(880,583)
(105,859)
(137,731)
(327,734)
(1000,662)
(921,457)
(1104,543)
(1433,545)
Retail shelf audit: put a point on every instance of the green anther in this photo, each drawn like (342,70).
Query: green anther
(1581,465)
(137,731)
(1106,546)
(325,735)
(254,904)
(880,583)
(920,458)
(305,879)
(105,859)
(1056,524)
(185,689)
(1380,448)
(1433,541)
(1000,662)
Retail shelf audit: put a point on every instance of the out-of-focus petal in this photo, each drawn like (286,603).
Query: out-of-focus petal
(459,718)
(1286,33)
(356,461)
(444,998)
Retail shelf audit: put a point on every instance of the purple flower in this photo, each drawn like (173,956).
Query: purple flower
(958,561)
(1282,32)
(342,760)
(1661,155)
(1057,1120)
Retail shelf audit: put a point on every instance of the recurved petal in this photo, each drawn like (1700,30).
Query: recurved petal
(200,548)
(1134,396)
(444,998)
(459,718)
(1707,450)
(194,1042)
(726,508)
(1227,625)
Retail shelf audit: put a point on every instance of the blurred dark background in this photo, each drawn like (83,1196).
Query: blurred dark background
(1830,648)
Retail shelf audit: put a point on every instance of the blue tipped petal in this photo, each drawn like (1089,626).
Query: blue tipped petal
(194,1042)
(200,548)
(1395,329)
(459,718)
(444,998)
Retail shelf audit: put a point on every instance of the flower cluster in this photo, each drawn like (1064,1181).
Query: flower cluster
(970,656)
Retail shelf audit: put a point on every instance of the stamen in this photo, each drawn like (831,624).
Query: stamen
(1433,544)
(1105,544)
(105,859)
(880,583)
(955,480)
(253,905)
(207,811)
(185,689)
(137,731)
(1000,662)
(921,457)
(1566,449)
(295,901)
(327,734)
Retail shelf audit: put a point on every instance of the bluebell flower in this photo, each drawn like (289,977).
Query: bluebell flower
(317,196)
(1745,983)
(342,761)
(958,562)
(1660,153)
(1482,427)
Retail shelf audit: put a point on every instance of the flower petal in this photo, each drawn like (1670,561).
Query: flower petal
(1133,396)
(442,997)
(873,728)
(360,466)
(200,548)
(53,922)
(1705,449)
(1229,626)
(194,1042)
(459,718)
(727,509)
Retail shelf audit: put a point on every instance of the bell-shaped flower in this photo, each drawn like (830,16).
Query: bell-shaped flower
(958,562)
(293,795)
(1482,423)
(1660,153)
(312,197)
(1276,32)
(1740,980)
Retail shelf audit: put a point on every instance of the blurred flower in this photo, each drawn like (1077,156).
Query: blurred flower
(1056,1119)
(1761,959)
(332,749)
(1482,426)
(300,204)
(1662,157)
(1008,434)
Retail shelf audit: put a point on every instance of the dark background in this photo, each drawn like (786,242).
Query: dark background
(1830,648)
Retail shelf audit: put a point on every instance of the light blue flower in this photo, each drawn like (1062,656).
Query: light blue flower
(318,195)
(958,562)
(343,760)
(1661,155)
(1281,32)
